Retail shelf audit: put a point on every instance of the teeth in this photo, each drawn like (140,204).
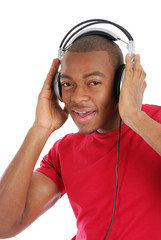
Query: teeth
(81,112)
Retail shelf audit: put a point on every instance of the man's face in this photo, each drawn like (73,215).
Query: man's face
(87,91)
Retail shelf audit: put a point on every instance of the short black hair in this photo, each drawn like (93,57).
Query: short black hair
(99,43)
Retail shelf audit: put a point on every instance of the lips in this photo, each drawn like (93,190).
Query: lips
(84,115)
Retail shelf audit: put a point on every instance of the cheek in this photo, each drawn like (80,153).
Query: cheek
(105,97)
(107,105)
(65,97)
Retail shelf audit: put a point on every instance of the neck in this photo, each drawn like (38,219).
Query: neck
(113,124)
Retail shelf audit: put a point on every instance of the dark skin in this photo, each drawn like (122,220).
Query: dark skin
(89,100)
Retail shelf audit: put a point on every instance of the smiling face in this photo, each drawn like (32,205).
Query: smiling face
(87,91)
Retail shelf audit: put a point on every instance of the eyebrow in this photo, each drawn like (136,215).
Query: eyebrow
(65,76)
(96,73)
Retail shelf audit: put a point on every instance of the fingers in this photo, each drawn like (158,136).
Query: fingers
(53,70)
(139,74)
(137,69)
(136,73)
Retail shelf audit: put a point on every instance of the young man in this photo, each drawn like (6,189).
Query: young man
(83,164)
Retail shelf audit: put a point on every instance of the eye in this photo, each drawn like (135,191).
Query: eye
(94,83)
(66,84)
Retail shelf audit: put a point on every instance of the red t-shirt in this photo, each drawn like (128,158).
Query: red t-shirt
(84,167)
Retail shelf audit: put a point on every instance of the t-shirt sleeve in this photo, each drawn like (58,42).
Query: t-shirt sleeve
(153,111)
(50,166)
(157,116)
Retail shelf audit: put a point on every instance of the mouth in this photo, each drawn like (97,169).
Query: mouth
(84,115)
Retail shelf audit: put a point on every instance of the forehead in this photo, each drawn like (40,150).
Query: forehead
(88,61)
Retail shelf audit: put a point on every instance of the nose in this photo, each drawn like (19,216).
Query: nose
(80,94)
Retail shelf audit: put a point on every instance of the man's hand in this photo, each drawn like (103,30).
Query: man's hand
(130,104)
(49,114)
(133,87)
(19,210)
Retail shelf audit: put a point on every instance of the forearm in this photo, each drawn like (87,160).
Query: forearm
(148,129)
(15,181)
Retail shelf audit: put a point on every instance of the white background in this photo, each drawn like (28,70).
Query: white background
(30,33)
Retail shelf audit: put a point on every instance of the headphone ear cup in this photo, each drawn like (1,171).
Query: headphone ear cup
(119,76)
(56,85)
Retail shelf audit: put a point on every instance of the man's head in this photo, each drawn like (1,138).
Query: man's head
(87,74)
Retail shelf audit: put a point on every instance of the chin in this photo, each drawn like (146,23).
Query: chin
(87,132)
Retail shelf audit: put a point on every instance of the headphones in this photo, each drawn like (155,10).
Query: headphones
(81,30)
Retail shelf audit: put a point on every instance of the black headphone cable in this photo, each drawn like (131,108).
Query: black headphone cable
(116,188)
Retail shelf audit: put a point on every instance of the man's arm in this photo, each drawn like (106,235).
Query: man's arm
(24,195)
(130,104)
